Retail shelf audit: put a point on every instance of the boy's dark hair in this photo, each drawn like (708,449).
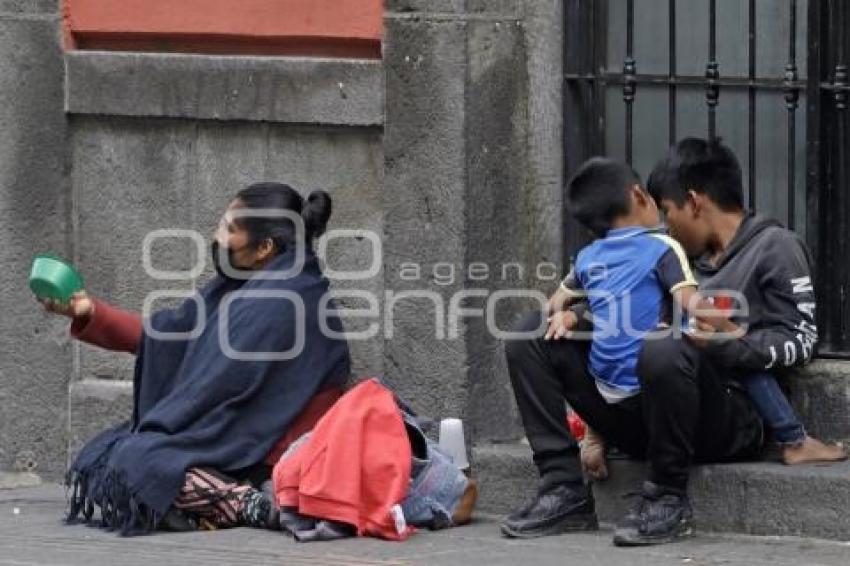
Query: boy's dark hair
(708,167)
(599,192)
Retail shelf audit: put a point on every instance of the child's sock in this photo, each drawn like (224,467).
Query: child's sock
(812,450)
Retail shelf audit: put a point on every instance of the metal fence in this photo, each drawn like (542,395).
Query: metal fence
(769,76)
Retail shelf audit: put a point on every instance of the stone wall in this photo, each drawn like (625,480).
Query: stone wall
(473,177)
(35,356)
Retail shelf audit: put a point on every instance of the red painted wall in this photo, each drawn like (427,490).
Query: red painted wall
(338,28)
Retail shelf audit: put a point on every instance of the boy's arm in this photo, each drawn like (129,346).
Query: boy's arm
(789,335)
(568,301)
(568,291)
(685,297)
(674,272)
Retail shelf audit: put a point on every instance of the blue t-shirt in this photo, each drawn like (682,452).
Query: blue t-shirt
(628,277)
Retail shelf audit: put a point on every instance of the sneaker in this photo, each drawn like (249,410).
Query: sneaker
(660,515)
(559,509)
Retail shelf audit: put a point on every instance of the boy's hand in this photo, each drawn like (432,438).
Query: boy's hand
(559,301)
(712,325)
(700,334)
(712,319)
(560,325)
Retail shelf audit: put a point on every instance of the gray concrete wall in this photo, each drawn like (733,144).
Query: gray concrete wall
(35,354)
(473,176)
(516,183)
(302,90)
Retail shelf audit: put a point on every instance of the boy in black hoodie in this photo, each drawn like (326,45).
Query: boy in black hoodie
(699,188)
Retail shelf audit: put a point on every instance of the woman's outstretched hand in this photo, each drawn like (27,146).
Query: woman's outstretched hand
(80,306)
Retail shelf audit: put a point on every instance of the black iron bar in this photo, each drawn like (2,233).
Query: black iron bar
(815,225)
(671,88)
(687,80)
(791,100)
(629,71)
(836,87)
(842,181)
(751,177)
(833,197)
(599,27)
(840,88)
(712,72)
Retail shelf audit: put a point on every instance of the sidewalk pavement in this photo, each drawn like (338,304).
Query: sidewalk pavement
(31,533)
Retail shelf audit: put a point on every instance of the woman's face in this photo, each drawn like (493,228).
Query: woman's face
(233,237)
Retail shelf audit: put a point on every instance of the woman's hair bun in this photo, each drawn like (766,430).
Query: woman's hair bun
(316,213)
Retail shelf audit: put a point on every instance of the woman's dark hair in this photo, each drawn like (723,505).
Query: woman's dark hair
(315,212)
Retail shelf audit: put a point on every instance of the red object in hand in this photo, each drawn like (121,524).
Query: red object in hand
(723,302)
(577,426)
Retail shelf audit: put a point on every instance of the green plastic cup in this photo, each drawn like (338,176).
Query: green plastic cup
(54,278)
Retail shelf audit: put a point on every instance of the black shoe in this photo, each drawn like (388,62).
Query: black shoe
(290,521)
(560,509)
(178,522)
(660,515)
(259,511)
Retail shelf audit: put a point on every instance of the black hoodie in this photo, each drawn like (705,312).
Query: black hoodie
(771,267)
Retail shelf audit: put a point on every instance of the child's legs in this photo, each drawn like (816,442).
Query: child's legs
(774,408)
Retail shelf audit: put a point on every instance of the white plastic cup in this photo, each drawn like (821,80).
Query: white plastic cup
(452,442)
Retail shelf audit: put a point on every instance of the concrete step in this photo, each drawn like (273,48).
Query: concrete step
(820,394)
(19,480)
(97,404)
(760,498)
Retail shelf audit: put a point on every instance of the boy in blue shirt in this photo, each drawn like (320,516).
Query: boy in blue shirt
(634,278)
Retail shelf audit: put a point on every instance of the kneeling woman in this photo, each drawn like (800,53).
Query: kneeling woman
(206,418)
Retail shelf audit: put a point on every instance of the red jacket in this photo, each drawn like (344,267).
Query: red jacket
(355,467)
(109,327)
(121,331)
